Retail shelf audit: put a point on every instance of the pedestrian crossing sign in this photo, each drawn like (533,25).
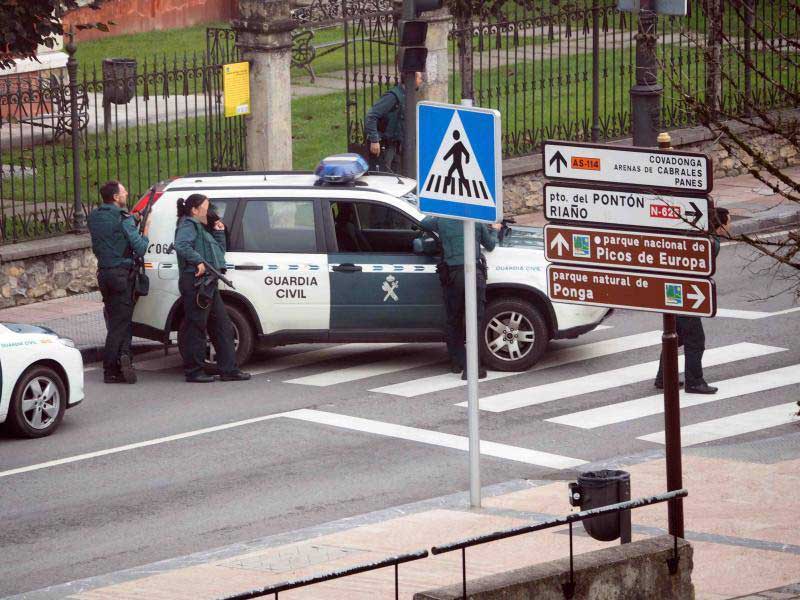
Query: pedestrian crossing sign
(459,162)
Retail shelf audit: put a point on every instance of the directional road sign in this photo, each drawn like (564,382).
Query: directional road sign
(626,289)
(642,167)
(675,254)
(580,204)
(459,162)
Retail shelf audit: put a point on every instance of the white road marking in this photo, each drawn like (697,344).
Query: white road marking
(752,315)
(746,422)
(315,356)
(571,354)
(654,405)
(363,371)
(137,445)
(435,438)
(610,379)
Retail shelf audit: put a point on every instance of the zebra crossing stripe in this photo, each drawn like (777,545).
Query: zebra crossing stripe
(654,405)
(725,427)
(606,380)
(564,356)
(435,438)
(357,372)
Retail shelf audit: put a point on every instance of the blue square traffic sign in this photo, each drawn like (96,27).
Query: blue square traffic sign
(459,162)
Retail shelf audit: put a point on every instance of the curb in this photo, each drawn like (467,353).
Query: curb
(764,223)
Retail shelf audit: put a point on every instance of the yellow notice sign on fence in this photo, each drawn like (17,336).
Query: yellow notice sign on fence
(236,87)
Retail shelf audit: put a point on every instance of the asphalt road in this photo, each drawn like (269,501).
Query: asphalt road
(343,455)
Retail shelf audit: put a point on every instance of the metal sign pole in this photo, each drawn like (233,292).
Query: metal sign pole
(471,322)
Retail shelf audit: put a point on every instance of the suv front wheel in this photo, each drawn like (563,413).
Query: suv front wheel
(514,335)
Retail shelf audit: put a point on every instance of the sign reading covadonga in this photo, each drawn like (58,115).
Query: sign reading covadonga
(682,255)
(590,204)
(625,289)
(642,167)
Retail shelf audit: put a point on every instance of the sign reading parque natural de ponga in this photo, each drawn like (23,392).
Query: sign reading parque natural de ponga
(652,195)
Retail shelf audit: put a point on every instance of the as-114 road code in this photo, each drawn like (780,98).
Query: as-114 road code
(580,204)
(643,167)
(637,291)
(658,252)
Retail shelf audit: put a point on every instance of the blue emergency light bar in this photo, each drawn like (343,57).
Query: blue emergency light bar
(341,168)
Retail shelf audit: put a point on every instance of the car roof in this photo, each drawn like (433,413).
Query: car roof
(385,183)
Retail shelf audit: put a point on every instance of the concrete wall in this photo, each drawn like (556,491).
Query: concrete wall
(523,177)
(636,571)
(46,269)
(136,16)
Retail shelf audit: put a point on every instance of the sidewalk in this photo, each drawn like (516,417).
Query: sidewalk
(753,208)
(740,518)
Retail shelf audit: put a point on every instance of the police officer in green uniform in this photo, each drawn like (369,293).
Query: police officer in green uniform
(386,129)
(690,329)
(116,242)
(451,275)
(203,308)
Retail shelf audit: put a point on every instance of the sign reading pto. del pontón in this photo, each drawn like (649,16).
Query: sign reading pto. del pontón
(623,165)
(586,204)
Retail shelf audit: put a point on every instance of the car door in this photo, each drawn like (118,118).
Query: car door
(277,263)
(378,284)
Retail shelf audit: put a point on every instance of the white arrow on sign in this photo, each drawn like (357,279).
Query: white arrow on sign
(698,296)
(559,243)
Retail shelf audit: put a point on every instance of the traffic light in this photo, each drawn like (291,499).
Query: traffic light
(413,53)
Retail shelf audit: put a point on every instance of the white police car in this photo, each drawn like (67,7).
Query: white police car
(41,375)
(330,258)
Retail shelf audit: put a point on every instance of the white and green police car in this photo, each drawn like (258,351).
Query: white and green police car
(332,258)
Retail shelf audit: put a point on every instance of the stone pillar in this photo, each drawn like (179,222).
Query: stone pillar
(438,65)
(264,36)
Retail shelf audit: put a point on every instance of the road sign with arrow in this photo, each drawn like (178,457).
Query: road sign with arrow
(588,204)
(640,167)
(653,252)
(627,289)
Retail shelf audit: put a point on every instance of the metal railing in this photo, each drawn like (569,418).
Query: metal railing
(569,587)
(565,71)
(395,561)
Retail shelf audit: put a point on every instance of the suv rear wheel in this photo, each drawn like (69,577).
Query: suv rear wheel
(243,337)
(514,335)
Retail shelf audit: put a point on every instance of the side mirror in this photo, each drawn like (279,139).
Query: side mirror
(425,246)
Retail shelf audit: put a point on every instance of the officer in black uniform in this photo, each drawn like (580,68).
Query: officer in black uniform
(451,276)
(690,329)
(116,242)
(204,310)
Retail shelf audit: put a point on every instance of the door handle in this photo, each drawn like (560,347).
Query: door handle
(248,267)
(347,268)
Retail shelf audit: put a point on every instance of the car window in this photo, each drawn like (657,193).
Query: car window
(279,226)
(380,216)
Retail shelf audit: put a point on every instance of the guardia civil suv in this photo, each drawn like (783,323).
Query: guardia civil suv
(333,258)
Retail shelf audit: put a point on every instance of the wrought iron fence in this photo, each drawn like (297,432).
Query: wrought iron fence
(565,71)
(136,122)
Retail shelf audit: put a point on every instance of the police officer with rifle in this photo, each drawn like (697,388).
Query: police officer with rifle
(118,244)
(201,260)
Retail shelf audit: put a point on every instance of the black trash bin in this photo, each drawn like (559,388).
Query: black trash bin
(601,488)
(119,80)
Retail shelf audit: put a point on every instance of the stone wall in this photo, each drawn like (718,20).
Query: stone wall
(627,572)
(523,177)
(46,269)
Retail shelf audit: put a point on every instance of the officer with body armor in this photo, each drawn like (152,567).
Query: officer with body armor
(385,129)
(117,244)
(199,252)
(451,276)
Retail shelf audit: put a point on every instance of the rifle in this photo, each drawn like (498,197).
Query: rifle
(141,285)
(219,275)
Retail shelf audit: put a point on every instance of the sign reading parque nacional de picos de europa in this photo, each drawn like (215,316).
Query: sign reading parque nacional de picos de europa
(626,228)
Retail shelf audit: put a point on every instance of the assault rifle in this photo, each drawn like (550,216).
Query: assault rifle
(218,275)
